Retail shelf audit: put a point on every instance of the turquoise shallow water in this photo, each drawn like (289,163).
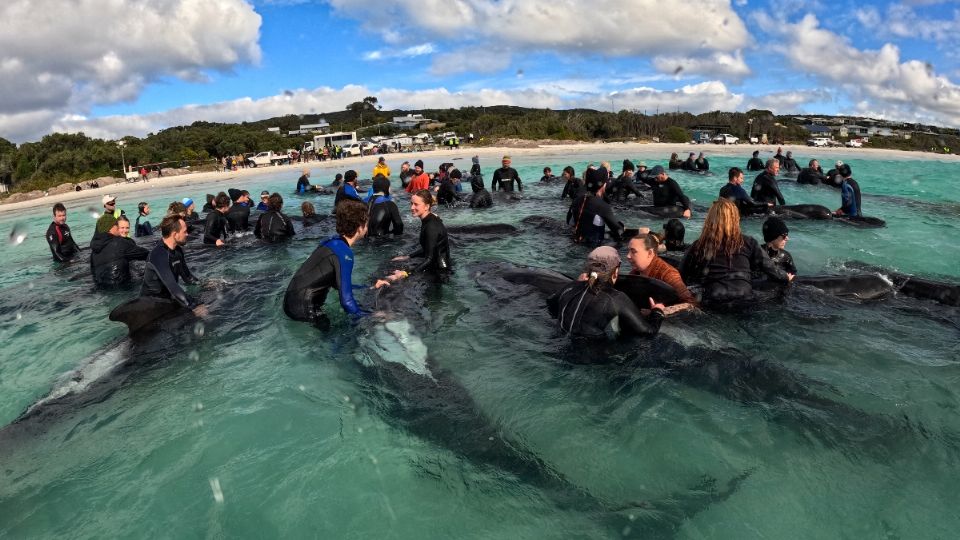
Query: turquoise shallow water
(276,414)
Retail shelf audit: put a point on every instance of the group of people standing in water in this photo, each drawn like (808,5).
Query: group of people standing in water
(723,263)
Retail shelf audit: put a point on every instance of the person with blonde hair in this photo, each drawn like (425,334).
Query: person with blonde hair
(723,259)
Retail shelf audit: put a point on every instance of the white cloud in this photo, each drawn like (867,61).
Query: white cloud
(697,98)
(716,65)
(409,52)
(67,55)
(474,61)
(788,102)
(910,90)
(902,21)
(607,27)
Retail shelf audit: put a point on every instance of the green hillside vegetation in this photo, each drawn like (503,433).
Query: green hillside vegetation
(60,158)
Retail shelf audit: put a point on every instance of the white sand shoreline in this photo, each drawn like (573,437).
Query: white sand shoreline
(490,157)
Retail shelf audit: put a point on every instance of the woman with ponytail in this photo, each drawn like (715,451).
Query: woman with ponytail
(723,260)
(434,246)
(593,308)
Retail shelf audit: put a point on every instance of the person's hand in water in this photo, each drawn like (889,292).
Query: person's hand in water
(201,311)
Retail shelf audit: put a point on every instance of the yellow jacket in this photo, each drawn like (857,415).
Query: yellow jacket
(381,169)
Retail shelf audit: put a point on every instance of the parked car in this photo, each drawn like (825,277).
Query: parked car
(855,143)
(268,158)
(725,138)
(819,141)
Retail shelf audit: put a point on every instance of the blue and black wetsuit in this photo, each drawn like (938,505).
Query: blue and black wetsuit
(346,191)
(163,270)
(850,198)
(330,265)
(303,184)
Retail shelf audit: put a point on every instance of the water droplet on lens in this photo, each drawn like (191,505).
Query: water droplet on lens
(198,329)
(19,315)
(303,388)
(194,356)
(17,235)
(30,285)
(94,213)
(217,492)
(198,406)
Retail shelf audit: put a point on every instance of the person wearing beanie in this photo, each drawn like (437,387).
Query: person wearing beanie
(590,215)
(348,190)
(850,205)
(675,162)
(190,214)
(505,176)
(666,191)
(775,235)
(481,197)
(384,216)
(142,229)
(755,163)
(702,163)
(733,190)
(593,308)
(420,180)
(238,218)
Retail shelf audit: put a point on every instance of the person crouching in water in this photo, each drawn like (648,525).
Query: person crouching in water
(723,260)
(330,265)
(595,309)
(273,225)
(481,197)
(642,254)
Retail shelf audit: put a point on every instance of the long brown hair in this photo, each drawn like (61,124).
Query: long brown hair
(721,232)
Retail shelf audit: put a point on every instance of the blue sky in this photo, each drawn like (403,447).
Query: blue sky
(234,60)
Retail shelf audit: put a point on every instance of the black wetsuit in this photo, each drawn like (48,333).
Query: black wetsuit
(216,228)
(274,226)
(745,204)
(620,189)
(163,270)
(667,193)
(481,197)
(833,178)
(191,220)
(571,188)
(434,248)
(346,192)
(330,265)
(504,177)
(405,177)
(779,157)
(447,193)
(238,218)
(703,164)
(142,229)
(384,217)
(303,184)
(755,164)
(782,259)
(606,312)
(590,215)
(727,280)
(690,164)
(790,165)
(675,165)
(766,190)
(110,258)
(62,245)
(811,176)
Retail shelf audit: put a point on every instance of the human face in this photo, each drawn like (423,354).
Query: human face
(662,177)
(775,168)
(738,180)
(180,237)
(639,256)
(815,164)
(779,242)
(123,227)
(505,163)
(146,210)
(405,167)
(60,218)
(419,208)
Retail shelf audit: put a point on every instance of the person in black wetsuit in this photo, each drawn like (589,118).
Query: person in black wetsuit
(190,214)
(765,186)
(303,183)
(733,190)
(238,218)
(673,233)
(547,176)
(675,163)
(208,207)
(789,164)
(62,245)
(434,246)
(505,176)
(347,191)
(384,216)
(812,175)
(572,185)
(620,188)
(447,192)
(779,156)
(273,225)
(110,256)
(666,191)
(594,309)
(166,266)
(755,163)
(690,164)
(590,215)
(215,231)
(723,260)
(142,229)
(775,235)
(330,265)
(481,197)
(702,163)
(309,214)
(406,173)
(833,175)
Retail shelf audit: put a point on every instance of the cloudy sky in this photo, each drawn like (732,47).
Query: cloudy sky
(129,67)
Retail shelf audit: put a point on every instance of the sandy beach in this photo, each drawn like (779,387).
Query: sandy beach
(490,157)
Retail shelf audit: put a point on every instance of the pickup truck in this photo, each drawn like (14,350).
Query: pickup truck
(725,138)
(268,158)
(855,143)
(819,142)
(362,148)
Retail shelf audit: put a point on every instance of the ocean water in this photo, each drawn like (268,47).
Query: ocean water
(827,417)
